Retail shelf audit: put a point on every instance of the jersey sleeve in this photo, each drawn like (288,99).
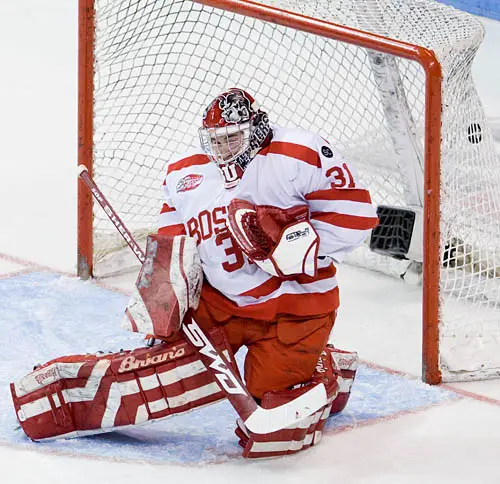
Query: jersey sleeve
(169,222)
(340,206)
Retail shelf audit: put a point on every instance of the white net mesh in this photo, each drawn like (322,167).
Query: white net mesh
(159,63)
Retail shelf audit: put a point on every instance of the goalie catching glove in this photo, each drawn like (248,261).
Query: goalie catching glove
(282,242)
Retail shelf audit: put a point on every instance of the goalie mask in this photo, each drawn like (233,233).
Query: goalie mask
(234,129)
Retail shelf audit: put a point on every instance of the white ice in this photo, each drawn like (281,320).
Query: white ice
(456,441)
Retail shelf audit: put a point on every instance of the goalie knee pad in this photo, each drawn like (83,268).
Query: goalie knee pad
(305,433)
(88,394)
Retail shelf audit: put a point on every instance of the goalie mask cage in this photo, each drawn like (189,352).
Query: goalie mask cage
(387,82)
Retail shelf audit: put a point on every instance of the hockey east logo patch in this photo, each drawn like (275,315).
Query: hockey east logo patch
(327,152)
(189,182)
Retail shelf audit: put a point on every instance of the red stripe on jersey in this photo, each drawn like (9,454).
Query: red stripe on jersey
(299,152)
(274,283)
(189,161)
(310,304)
(350,194)
(172,230)
(264,289)
(323,273)
(166,208)
(346,221)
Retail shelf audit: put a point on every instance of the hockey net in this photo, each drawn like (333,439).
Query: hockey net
(149,68)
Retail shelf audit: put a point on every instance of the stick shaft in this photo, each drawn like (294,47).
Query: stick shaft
(110,212)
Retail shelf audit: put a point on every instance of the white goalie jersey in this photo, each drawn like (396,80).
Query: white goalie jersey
(296,168)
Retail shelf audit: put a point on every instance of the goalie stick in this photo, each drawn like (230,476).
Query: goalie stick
(257,419)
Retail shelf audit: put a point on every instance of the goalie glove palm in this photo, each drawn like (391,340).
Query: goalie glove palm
(282,242)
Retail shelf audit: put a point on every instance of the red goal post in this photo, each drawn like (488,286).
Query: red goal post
(322,26)
(86,37)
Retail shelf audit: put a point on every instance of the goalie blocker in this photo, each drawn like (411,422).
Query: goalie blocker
(168,285)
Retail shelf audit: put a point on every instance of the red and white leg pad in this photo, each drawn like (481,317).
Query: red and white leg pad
(347,364)
(87,394)
(308,431)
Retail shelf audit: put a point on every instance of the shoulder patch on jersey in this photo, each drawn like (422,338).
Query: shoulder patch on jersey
(326,152)
(189,182)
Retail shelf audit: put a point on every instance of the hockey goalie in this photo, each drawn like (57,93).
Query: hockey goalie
(252,225)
